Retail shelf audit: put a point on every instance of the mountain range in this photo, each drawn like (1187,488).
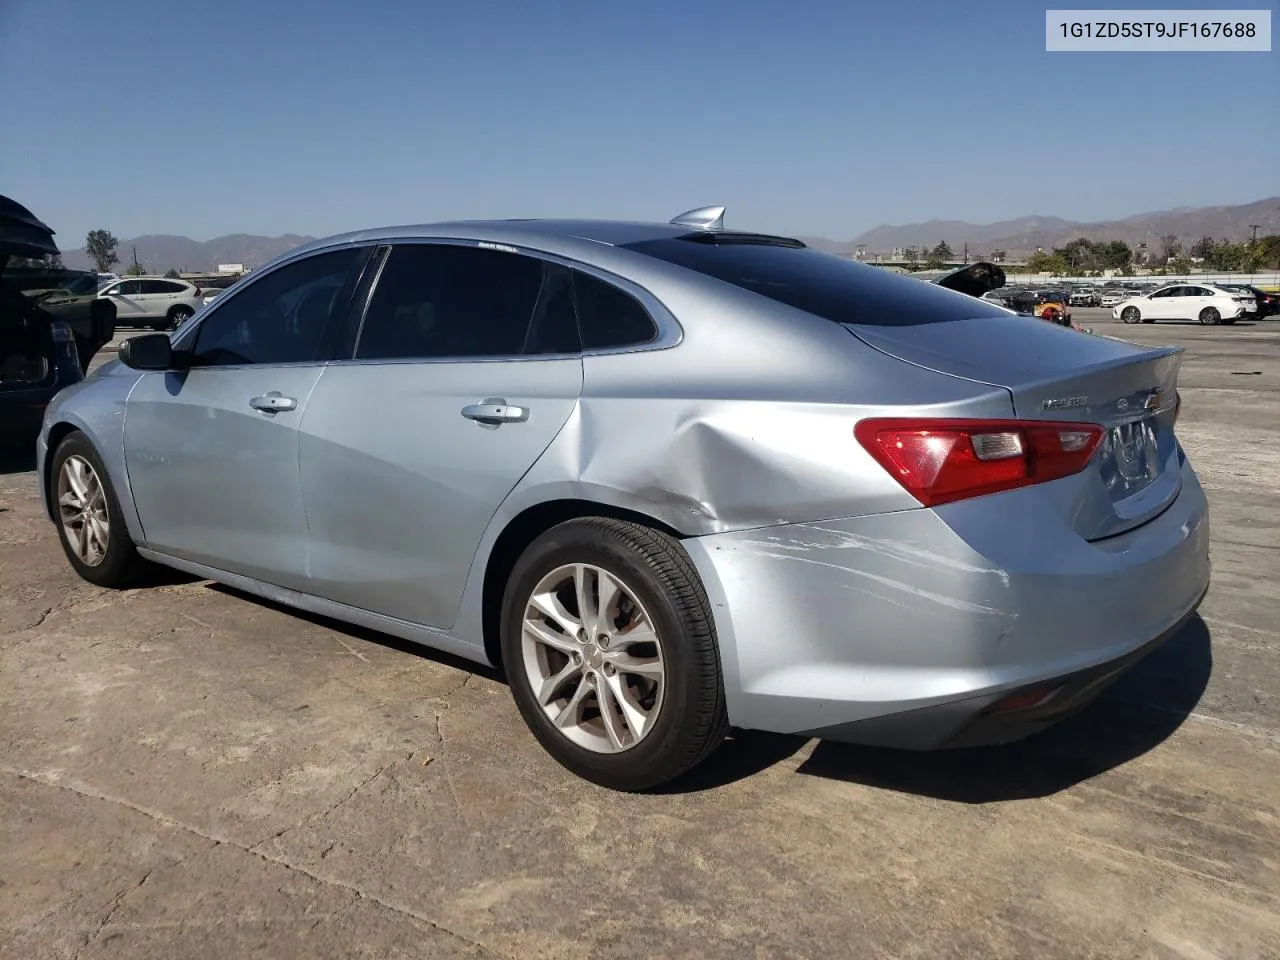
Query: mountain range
(159,252)
(1024,235)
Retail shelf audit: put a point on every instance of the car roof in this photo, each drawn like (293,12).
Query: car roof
(527,231)
(581,239)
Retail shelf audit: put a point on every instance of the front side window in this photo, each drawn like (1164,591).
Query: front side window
(283,316)
(439,300)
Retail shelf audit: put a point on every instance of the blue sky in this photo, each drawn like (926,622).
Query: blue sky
(804,117)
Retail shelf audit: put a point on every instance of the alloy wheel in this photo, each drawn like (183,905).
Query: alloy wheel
(82,508)
(593,658)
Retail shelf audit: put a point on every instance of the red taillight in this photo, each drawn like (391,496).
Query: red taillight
(940,461)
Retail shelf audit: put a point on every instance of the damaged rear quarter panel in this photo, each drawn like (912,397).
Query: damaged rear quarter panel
(748,421)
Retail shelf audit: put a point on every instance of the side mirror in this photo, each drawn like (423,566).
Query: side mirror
(151,351)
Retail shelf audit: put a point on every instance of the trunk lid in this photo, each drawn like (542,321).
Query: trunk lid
(1054,373)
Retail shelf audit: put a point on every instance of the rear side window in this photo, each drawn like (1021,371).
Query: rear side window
(838,290)
(437,300)
(610,317)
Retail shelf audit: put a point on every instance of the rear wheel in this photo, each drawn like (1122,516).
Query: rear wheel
(89,520)
(1209,316)
(174,318)
(1131,315)
(610,650)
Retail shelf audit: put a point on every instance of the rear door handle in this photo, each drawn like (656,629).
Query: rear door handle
(273,402)
(495,410)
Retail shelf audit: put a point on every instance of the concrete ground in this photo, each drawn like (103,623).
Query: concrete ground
(186,772)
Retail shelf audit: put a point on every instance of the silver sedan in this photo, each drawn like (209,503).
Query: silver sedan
(671,477)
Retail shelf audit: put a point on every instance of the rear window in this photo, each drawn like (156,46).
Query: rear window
(838,290)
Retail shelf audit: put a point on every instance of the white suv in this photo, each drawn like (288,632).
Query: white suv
(156,302)
(1185,301)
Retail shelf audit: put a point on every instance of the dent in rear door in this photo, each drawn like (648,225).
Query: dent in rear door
(399,486)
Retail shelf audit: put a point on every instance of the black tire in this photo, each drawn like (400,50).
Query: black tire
(120,565)
(175,317)
(1131,315)
(1210,317)
(693,720)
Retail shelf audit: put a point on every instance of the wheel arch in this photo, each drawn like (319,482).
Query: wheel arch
(57,433)
(522,530)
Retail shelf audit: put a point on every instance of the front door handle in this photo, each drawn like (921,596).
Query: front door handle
(495,410)
(273,402)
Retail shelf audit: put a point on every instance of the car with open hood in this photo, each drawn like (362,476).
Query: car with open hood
(51,323)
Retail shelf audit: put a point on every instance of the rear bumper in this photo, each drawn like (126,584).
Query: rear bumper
(904,629)
(981,721)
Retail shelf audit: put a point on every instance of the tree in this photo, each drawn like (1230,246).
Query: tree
(101,247)
(1169,247)
(1227,256)
(137,270)
(941,252)
(912,258)
(1116,255)
(1041,262)
(172,274)
(1079,255)
(1267,252)
(1202,247)
(1181,265)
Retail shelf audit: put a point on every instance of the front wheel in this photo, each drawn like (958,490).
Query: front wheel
(90,524)
(1209,316)
(1130,315)
(609,646)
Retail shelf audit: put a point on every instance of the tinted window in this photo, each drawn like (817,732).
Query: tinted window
(159,286)
(436,300)
(281,317)
(555,324)
(1202,292)
(836,289)
(608,316)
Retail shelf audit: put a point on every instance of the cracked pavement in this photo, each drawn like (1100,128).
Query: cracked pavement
(189,772)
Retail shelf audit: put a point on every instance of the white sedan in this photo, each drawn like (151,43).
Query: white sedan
(1184,301)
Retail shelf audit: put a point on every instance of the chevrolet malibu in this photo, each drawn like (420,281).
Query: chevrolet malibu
(671,477)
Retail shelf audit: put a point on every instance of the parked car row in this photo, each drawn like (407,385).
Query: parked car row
(1145,302)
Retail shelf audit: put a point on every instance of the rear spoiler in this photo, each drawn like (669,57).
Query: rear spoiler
(21,234)
(975,279)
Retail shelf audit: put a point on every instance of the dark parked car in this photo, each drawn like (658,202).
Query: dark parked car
(50,326)
(1266,304)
